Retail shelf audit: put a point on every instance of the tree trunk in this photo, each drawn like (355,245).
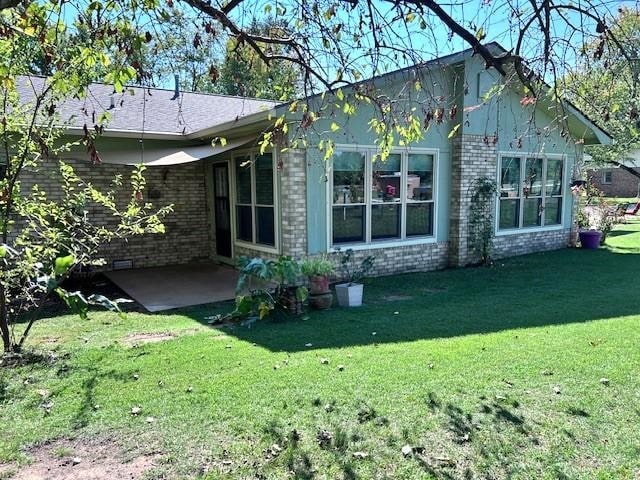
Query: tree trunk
(4,322)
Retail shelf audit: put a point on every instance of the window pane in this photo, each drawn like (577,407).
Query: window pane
(385,221)
(553,211)
(264,179)
(245,229)
(265,232)
(420,177)
(510,177)
(531,215)
(348,224)
(419,219)
(243,179)
(533,178)
(509,213)
(348,178)
(554,177)
(386,180)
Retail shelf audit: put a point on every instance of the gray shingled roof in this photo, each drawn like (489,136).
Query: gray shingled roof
(149,109)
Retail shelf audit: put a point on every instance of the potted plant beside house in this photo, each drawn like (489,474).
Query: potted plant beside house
(350,293)
(317,270)
(594,217)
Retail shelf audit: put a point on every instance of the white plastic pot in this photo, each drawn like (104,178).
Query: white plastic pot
(349,294)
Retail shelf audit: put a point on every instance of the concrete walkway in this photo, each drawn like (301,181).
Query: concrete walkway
(164,288)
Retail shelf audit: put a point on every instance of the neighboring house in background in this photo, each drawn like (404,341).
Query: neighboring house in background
(615,181)
(411,211)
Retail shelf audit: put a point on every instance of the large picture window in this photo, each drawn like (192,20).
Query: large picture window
(375,200)
(255,194)
(530,192)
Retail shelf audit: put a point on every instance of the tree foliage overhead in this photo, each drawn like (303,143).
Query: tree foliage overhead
(604,86)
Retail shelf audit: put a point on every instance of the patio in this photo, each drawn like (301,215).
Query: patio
(164,288)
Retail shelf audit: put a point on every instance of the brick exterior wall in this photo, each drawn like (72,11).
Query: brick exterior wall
(623,184)
(473,157)
(187,229)
(521,244)
(293,202)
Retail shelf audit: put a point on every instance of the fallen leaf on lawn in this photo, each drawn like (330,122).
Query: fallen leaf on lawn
(96,407)
(43,393)
(189,389)
(360,455)
(374,333)
(557,390)
(546,373)
(76,460)
(500,397)
(407,450)
(136,410)
(604,381)
(150,419)
(396,313)
(308,344)
(445,461)
(227,346)
(340,368)
(430,365)
(324,361)
(136,376)
(328,407)
(276,367)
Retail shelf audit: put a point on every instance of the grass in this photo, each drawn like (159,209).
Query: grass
(490,373)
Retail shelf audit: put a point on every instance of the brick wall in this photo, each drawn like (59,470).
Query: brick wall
(521,244)
(293,202)
(187,228)
(623,184)
(473,157)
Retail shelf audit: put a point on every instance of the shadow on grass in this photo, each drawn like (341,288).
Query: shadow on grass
(544,289)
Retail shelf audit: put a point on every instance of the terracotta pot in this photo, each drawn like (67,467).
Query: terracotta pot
(321,301)
(318,284)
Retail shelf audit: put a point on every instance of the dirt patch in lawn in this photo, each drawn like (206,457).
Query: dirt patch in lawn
(397,298)
(143,338)
(81,459)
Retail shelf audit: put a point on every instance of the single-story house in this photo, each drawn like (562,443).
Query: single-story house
(411,211)
(616,181)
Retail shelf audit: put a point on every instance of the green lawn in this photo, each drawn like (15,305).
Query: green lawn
(487,373)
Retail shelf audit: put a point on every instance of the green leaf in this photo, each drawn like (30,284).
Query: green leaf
(63,264)
(335,127)
(3,251)
(453,131)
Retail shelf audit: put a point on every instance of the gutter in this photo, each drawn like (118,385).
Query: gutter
(238,122)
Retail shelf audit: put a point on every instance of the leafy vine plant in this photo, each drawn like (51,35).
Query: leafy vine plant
(481,232)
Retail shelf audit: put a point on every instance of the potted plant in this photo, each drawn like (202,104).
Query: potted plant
(350,293)
(266,285)
(594,217)
(318,269)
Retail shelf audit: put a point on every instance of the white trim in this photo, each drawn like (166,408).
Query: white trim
(253,153)
(564,189)
(369,152)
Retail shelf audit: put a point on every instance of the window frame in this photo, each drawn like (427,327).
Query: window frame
(604,177)
(523,157)
(369,152)
(253,154)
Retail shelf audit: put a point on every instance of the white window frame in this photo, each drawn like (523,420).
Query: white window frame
(369,152)
(523,157)
(604,176)
(253,153)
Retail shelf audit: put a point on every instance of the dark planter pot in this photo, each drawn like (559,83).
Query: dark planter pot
(318,284)
(590,239)
(321,301)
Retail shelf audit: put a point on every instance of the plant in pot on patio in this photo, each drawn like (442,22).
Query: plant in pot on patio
(266,285)
(350,293)
(594,217)
(318,269)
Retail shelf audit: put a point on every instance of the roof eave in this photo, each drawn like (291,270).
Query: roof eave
(118,133)
(215,130)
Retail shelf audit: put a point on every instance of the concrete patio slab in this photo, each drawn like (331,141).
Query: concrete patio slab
(164,288)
